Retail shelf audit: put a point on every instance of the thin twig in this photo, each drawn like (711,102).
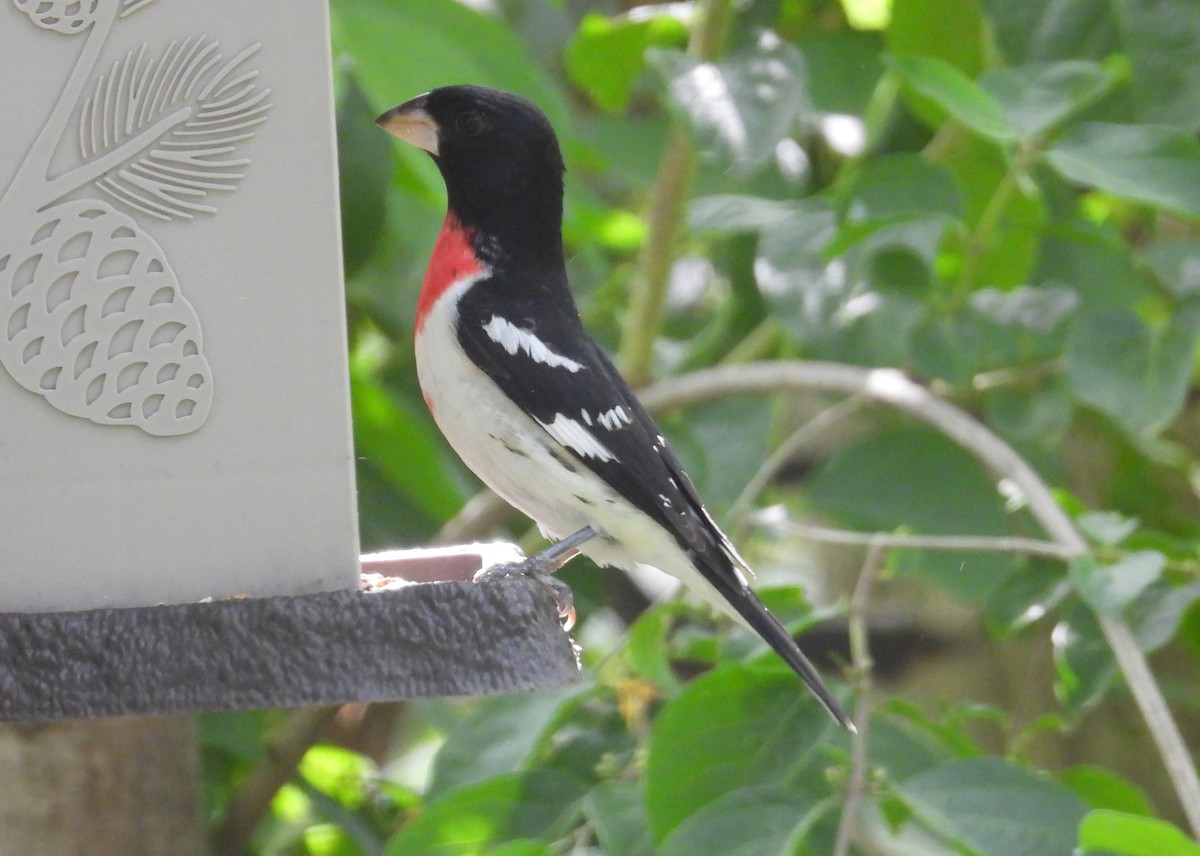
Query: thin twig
(893,387)
(963,543)
(858,622)
(788,449)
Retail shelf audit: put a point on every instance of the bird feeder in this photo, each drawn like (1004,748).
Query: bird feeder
(176,465)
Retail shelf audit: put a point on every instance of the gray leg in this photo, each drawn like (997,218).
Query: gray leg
(541,566)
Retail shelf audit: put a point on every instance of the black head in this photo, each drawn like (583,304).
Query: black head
(499,158)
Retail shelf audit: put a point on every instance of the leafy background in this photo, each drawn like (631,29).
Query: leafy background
(998,198)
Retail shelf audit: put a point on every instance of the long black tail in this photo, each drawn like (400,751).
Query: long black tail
(766,625)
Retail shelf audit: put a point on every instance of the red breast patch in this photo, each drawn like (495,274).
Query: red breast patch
(453,258)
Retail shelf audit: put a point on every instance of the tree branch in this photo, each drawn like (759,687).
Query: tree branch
(964,543)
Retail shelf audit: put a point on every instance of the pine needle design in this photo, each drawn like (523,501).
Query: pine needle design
(92,316)
(174,176)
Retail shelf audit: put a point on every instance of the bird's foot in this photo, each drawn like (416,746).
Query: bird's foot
(541,569)
(564,600)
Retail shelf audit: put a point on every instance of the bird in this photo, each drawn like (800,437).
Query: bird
(524,395)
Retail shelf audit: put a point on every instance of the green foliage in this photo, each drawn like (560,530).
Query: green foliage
(995,808)
(1106,831)
(1001,199)
(752,727)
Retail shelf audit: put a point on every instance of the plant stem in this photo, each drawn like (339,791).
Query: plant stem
(892,387)
(981,236)
(668,199)
(652,275)
(858,624)
(759,343)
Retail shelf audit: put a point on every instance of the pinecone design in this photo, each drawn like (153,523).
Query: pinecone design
(62,16)
(91,318)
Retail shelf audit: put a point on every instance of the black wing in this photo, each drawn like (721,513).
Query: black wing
(642,468)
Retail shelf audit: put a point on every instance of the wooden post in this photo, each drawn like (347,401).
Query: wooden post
(127,786)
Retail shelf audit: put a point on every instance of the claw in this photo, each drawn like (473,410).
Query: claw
(534,569)
(541,567)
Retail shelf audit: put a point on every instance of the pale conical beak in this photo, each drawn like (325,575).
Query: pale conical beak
(411,123)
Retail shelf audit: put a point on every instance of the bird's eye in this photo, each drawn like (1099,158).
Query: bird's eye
(471,124)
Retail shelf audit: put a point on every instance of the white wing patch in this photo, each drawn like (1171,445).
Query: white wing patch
(614,418)
(512,338)
(578,439)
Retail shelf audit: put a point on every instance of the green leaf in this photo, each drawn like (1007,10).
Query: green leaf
(741,727)
(733,437)
(497,736)
(996,808)
(950,31)
(803,288)
(647,649)
(338,773)
(844,69)
(1094,262)
(1008,256)
(1038,30)
(1084,661)
(1155,165)
(541,805)
(1025,596)
(1108,832)
(916,479)
(753,821)
(1176,265)
(740,108)
(605,56)
(902,750)
(364,170)
(901,185)
(1036,420)
(521,848)
(1157,614)
(955,93)
(1110,588)
(1039,96)
(1036,309)
(1108,528)
(422,44)
(1101,788)
(403,446)
(1135,374)
(1162,39)
(616,811)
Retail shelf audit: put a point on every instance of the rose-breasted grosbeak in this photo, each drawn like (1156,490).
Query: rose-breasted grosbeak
(528,400)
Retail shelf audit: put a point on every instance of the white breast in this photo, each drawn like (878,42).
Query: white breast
(529,464)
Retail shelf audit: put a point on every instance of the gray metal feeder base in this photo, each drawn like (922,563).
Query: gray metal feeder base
(425,639)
